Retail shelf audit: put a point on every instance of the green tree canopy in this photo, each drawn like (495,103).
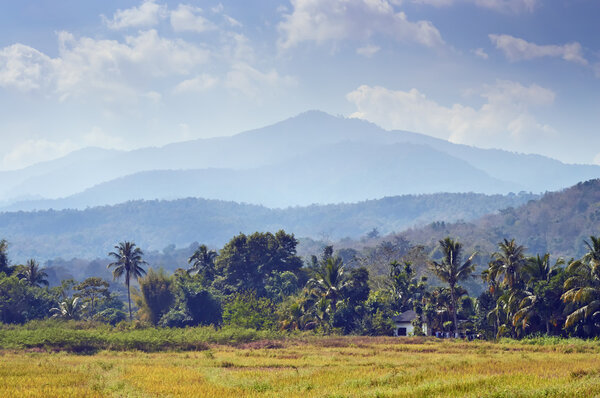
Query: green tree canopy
(91,290)
(247,261)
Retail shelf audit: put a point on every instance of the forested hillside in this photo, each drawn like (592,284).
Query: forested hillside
(154,225)
(558,223)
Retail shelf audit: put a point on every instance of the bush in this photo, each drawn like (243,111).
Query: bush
(66,336)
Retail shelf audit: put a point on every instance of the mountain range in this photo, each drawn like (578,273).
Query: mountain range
(153,225)
(311,158)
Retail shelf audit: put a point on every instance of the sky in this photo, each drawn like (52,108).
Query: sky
(520,75)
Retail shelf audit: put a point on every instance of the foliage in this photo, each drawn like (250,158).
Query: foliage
(583,290)
(245,262)
(194,305)
(128,262)
(20,302)
(4,263)
(451,270)
(91,290)
(247,310)
(32,274)
(156,295)
(203,263)
(70,308)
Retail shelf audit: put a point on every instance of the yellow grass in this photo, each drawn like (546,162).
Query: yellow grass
(319,367)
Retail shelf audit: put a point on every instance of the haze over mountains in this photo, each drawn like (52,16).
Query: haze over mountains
(311,158)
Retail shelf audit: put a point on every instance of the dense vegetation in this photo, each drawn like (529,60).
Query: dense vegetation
(91,233)
(259,282)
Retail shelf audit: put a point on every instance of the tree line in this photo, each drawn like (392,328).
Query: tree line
(258,281)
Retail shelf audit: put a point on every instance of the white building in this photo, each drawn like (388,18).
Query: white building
(403,324)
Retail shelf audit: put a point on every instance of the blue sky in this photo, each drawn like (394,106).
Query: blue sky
(522,75)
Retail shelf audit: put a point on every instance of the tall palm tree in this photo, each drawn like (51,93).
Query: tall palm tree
(329,281)
(32,274)
(203,261)
(452,271)
(583,287)
(128,262)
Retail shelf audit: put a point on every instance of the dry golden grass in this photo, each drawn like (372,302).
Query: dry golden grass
(314,367)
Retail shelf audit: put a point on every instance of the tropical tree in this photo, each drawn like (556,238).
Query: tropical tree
(406,289)
(91,290)
(451,270)
(583,287)
(156,295)
(539,269)
(508,263)
(70,308)
(128,262)
(203,262)
(4,257)
(329,281)
(32,274)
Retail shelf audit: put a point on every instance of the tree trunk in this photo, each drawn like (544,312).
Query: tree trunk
(129,299)
(548,328)
(454,311)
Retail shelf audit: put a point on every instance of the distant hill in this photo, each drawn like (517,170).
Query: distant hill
(153,225)
(557,223)
(344,172)
(311,158)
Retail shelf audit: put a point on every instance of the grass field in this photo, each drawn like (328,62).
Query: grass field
(313,367)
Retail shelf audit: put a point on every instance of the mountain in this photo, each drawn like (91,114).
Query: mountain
(153,225)
(311,158)
(558,223)
(343,172)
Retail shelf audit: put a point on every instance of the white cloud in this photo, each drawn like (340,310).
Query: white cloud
(504,120)
(516,49)
(253,83)
(35,150)
(108,68)
(97,137)
(153,96)
(480,52)
(232,21)
(597,159)
(24,68)
(334,20)
(496,5)
(368,51)
(197,84)
(188,18)
(509,5)
(148,14)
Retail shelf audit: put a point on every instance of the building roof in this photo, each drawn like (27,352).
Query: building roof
(406,316)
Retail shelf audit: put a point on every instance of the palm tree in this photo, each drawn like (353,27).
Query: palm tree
(128,262)
(508,263)
(32,274)
(68,309)
(329,281)
(539,268)
(203,261)
(583,288)
(451,271)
